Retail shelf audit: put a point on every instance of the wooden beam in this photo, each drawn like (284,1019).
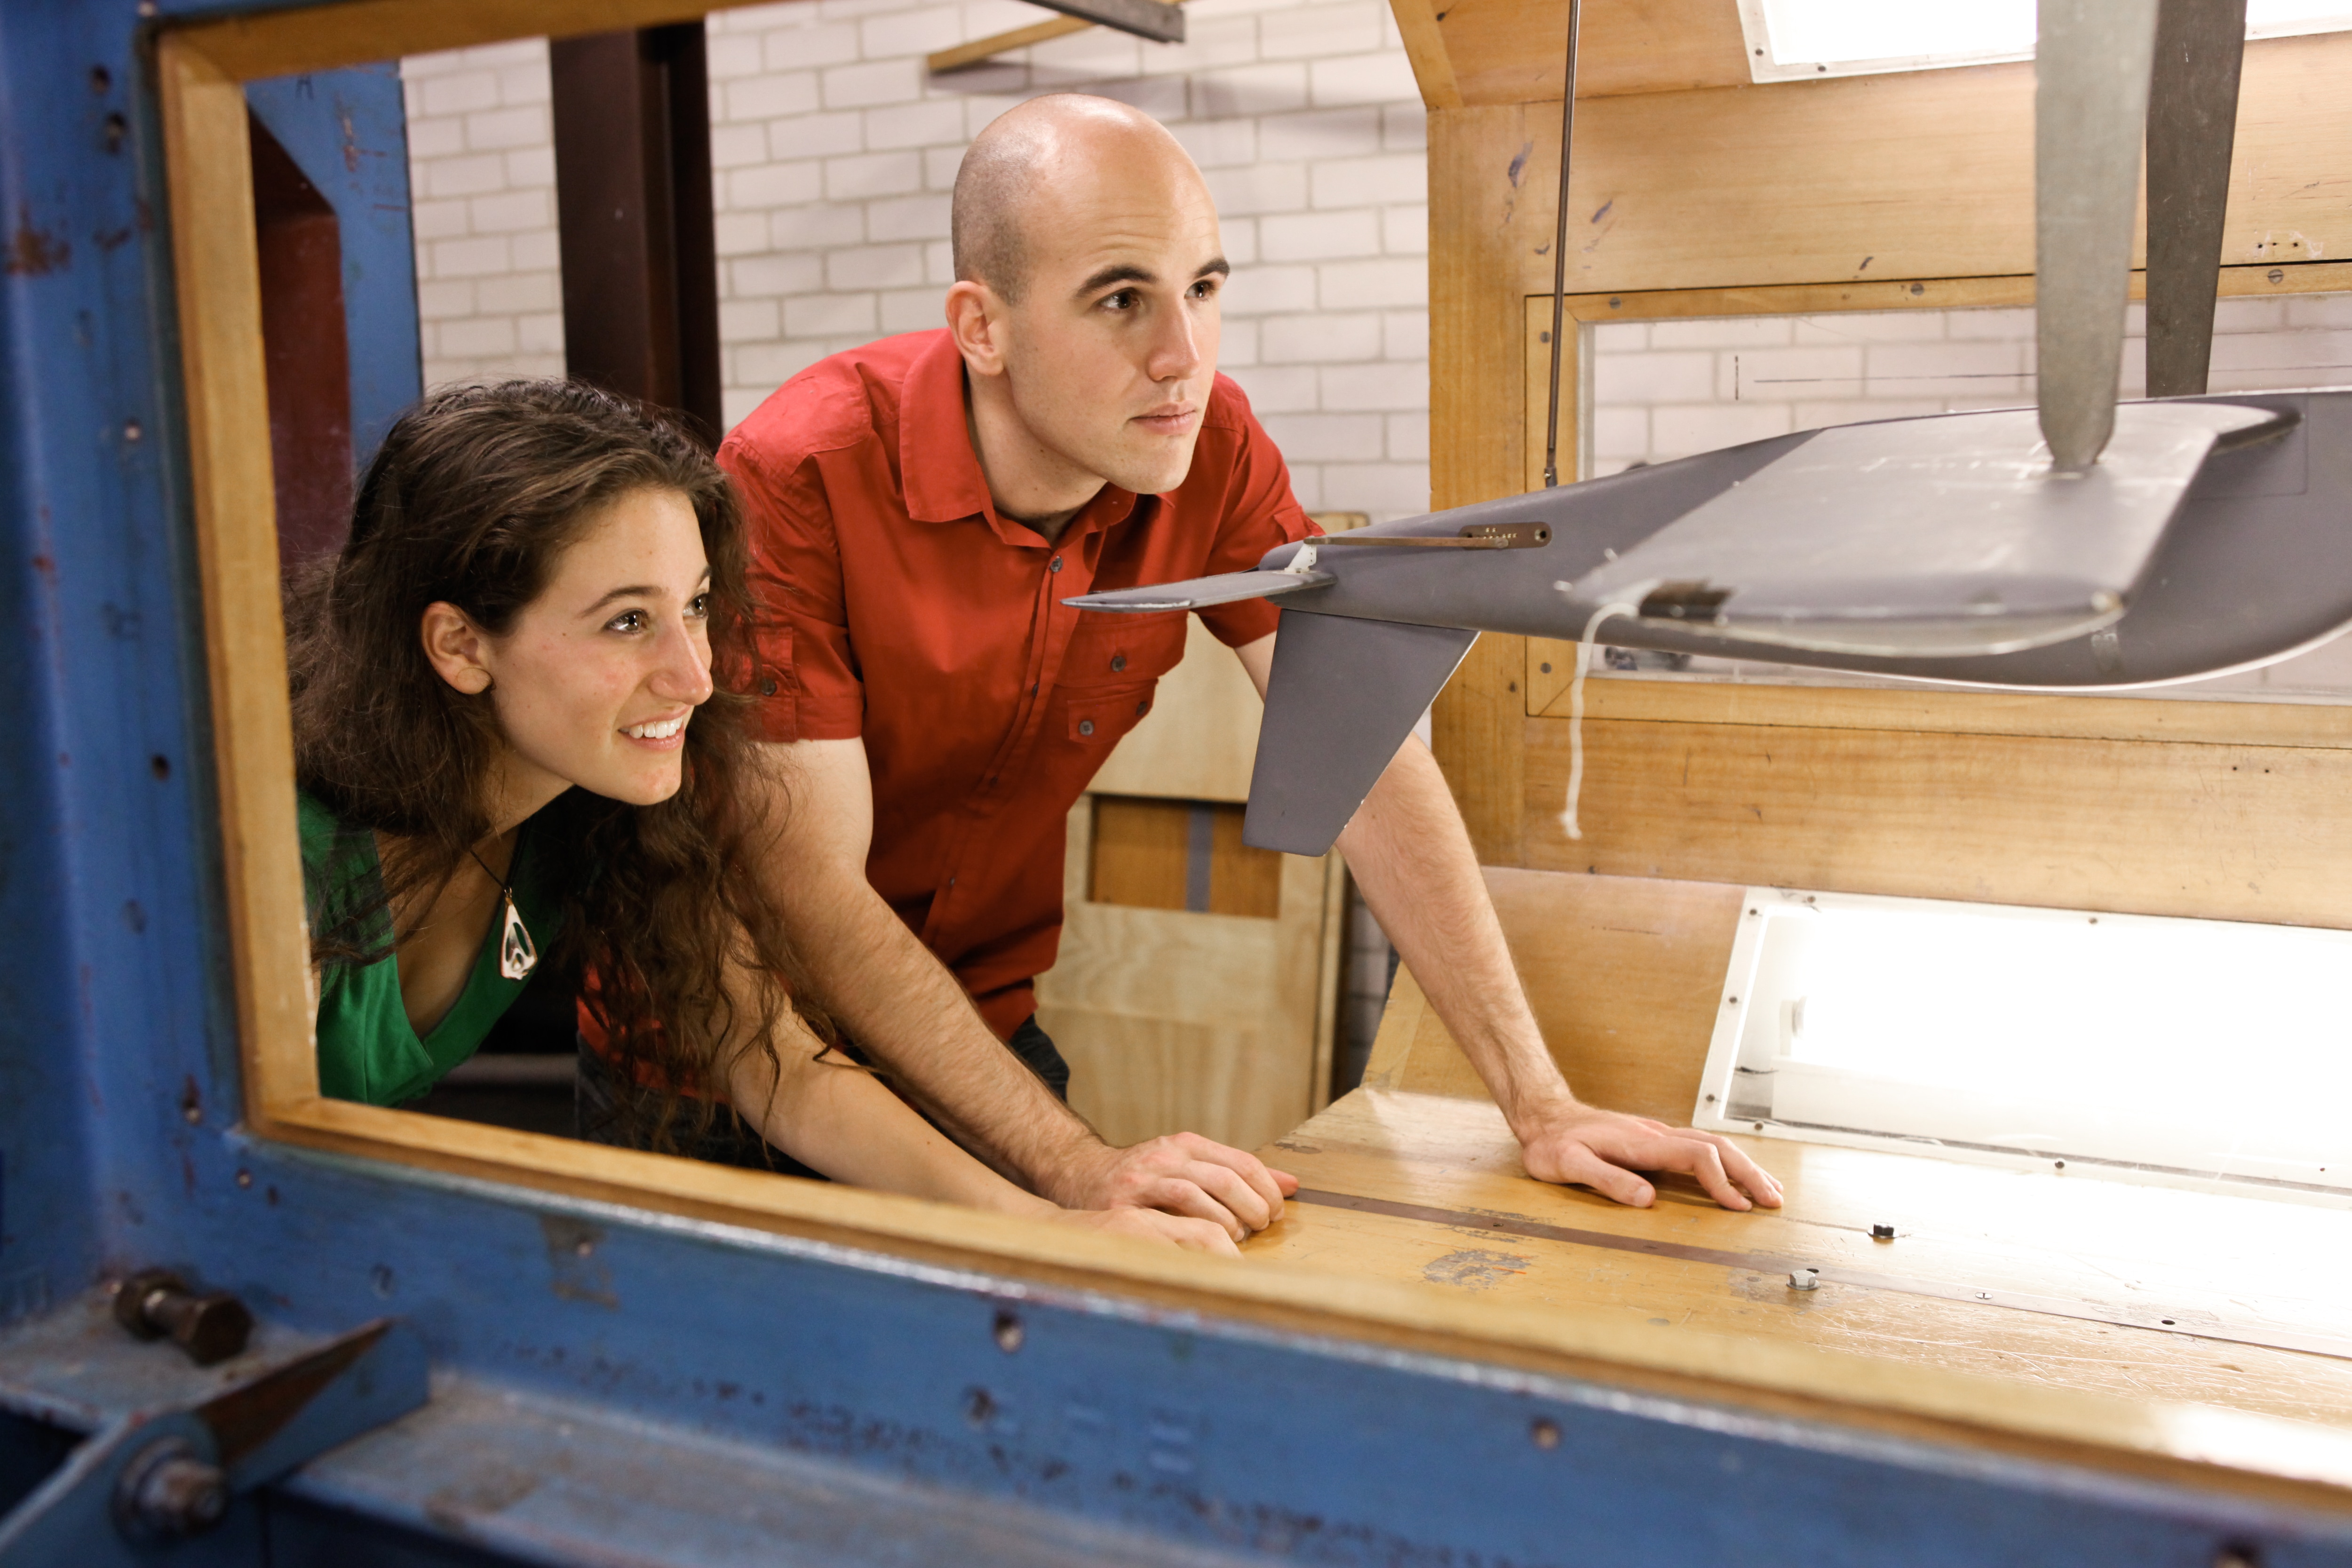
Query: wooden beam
(2156,828)
(1513,51)
(321,37)
(996,44)
(216,270)
(1424,46)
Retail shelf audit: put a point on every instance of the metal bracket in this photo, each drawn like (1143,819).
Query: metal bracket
(169,1447)
(1477,536)
(1153,19)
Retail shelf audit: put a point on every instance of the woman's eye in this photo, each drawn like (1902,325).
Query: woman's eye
(628,621)
(700,607)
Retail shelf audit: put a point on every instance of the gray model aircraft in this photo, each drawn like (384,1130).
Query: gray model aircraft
(2085,546)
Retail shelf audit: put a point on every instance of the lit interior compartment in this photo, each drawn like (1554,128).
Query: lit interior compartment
(2180,1051)
(1798,38)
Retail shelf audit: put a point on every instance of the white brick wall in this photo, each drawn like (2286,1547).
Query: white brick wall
(1667,389)
(482,174)
(835,153)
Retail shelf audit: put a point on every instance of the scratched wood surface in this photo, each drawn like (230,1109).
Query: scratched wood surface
(2199,1257)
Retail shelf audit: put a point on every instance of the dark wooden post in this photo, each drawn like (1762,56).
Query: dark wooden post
(633,208)
(305,352)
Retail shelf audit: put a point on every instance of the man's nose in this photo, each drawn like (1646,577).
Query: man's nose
(1175,347)
(682,670)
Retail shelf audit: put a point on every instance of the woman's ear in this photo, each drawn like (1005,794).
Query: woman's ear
(455,647)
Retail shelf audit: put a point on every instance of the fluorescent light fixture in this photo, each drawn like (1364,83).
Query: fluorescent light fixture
(2204,1052)
(1790,40)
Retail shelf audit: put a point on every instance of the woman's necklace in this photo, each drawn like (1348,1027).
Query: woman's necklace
(517,954)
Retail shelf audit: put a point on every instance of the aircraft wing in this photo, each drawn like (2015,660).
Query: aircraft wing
(1227,588)
(1927,538)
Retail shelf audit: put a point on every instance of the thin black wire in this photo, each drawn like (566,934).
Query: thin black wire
(1559,251)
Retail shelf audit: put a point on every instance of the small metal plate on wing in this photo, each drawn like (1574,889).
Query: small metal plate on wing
(1230,588)
(1939,537)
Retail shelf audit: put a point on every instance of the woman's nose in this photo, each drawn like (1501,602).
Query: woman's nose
(683,674)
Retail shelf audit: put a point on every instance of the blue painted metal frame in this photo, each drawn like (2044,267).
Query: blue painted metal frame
(615,1356)
(346,131)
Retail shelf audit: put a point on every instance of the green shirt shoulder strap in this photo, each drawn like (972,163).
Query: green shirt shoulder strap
(368,1051)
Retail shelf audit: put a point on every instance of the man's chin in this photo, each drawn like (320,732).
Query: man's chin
(1154,466)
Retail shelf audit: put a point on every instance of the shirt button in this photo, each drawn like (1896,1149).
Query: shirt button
(1118,662)
(1142,708)
(1032,689)
(766,689)
(1085,726)
(950,881)
(1056,566)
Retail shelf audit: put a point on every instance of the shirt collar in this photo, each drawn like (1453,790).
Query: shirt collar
(938,468)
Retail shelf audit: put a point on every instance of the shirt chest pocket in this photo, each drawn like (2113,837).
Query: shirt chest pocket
(1109,650)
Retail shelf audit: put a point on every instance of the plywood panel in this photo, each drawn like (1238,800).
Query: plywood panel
(1513,51)
(1477,173)
(1742,186)
(1623,975)
(1200,740)
(2238,832)
(2142,1252)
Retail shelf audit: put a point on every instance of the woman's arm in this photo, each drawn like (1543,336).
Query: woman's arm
(835,1117)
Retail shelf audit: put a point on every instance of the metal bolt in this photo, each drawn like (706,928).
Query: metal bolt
(1008,1333)
(245,1178)
(1805,1280)
(132,430)
(2277,275)
(157,1303)
(1544,1433)
(583,1248)
(167,1491)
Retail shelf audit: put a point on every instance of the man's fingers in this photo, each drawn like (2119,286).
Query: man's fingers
(1175,1194)
(1579,1164)
(1246,1202)
(1265,1184)
(1759,1182)
(1703,1161)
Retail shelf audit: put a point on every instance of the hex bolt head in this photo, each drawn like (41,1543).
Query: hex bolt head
(1008,1333)
(167,1491)
(156,1302)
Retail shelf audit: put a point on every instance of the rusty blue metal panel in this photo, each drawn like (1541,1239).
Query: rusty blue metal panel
(346,131)
(619,1387)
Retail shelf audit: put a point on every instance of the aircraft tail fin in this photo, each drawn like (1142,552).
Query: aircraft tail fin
(1344,696)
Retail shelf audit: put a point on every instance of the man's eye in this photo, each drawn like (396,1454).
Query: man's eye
(626,621)
(1205,288)
(1124,300)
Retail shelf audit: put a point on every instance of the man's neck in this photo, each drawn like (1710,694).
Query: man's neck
(1029,482)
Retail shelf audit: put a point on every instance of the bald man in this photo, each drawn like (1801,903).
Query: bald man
(921,508)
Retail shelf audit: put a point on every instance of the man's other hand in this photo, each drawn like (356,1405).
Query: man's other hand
(1181,1174)
(1602,1150)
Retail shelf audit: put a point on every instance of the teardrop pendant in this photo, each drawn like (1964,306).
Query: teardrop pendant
(518,955)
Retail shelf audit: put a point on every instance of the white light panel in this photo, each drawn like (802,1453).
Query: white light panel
(2190,1050)
(1790,40)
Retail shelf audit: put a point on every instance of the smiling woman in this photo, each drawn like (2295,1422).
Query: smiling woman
(508,732)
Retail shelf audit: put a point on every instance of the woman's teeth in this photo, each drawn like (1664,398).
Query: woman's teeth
(659,731)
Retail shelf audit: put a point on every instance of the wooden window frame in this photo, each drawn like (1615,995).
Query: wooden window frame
(201,69)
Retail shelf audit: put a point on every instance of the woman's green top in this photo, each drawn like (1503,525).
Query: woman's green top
(367,1049)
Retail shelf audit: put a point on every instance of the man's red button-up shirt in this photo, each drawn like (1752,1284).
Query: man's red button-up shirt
(901,608)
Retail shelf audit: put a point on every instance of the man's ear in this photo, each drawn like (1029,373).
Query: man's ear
(455,647)
(976,321)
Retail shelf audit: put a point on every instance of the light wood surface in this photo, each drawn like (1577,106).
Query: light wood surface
(1739,186)
(2139,1252)
(996,44)
(2222,832)
(218,271)
(1513,51)
(1174,1020)
(1622,972)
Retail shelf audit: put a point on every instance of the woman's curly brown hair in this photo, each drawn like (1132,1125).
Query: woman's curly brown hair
(473,496)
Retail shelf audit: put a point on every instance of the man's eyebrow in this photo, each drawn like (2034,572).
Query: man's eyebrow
(1120,272)
(1128,273)
(633,591)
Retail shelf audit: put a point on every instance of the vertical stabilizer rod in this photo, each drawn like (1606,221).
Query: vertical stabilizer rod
(2090,107)
(2193,121)
(1560,251)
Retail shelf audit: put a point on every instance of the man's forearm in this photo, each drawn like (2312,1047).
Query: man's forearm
(904,1009)
(1408,851)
